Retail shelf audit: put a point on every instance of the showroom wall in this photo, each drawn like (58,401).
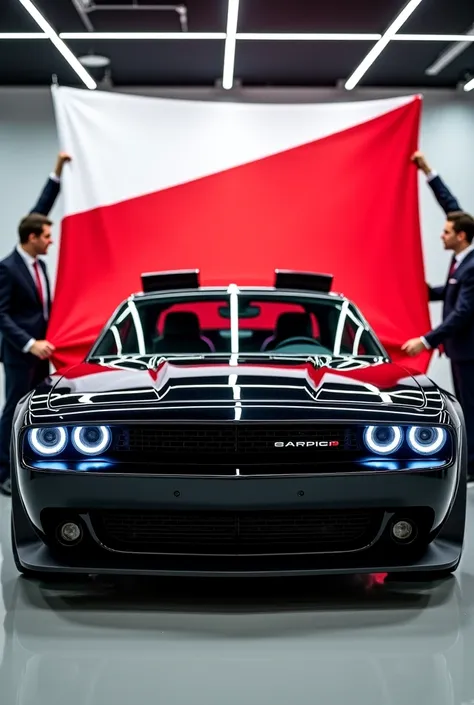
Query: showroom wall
(28,145)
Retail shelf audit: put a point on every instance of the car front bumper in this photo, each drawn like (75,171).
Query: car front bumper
(431,498)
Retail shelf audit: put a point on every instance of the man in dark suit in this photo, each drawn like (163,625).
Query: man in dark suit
(456,332)
(25,304)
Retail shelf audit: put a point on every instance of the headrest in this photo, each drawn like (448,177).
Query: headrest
(290,325)
(183,323)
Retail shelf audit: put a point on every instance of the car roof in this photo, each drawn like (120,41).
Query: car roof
(330,296)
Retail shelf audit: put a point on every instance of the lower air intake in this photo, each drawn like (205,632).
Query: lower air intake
(232,533)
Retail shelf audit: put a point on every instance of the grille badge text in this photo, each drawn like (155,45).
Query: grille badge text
(306,444)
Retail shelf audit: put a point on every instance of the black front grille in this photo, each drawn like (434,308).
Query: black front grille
(235,439)
(237,532)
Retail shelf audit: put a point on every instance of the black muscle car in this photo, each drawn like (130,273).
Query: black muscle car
(238,431)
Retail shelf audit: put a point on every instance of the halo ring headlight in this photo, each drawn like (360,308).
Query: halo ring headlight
(383,440)
(91,440)
(48,441)
(426,440)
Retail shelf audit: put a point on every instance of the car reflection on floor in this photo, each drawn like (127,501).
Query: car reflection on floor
(230,641)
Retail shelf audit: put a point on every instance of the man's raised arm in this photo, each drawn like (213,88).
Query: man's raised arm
(48,195)
(445,198)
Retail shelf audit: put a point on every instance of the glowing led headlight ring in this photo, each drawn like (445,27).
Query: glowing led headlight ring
(439,439)
(88,447)
(386,447)
(41,444)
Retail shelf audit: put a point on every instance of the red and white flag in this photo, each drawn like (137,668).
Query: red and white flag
(238,190)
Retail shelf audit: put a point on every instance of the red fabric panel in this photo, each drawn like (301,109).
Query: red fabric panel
(346,204)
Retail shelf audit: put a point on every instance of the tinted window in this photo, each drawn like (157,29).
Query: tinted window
(208,323)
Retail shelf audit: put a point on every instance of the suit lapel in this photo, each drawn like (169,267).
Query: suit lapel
(451,288)
(468,259)
(26,276)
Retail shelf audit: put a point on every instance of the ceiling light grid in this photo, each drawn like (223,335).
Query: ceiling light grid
(231,37)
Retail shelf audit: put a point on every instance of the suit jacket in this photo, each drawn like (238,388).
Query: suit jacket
(445,198)
(21,312)
(456,332)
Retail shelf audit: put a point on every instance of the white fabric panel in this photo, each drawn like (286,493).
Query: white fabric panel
(127,146)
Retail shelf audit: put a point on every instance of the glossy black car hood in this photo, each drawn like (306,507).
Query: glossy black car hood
(173,386)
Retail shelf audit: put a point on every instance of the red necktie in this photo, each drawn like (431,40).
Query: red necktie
(39,285)
(452,269)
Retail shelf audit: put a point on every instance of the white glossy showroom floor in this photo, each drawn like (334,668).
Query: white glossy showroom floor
(231,643)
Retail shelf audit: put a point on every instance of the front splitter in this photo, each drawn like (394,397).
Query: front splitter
(440,555)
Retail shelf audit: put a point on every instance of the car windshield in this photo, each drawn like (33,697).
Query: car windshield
(210,323)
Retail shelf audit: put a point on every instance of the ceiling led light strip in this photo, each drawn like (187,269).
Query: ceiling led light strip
(457,47)
(376,50)
(309,37)
(230,42)
(433,38)
(142,36)
(73,62)
(23,35)
(469,85)
(257,37)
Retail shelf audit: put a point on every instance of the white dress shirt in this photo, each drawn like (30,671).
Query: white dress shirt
(29,261)
(463,254)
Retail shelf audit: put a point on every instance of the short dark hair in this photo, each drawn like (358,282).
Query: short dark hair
(32,223)
(462,223)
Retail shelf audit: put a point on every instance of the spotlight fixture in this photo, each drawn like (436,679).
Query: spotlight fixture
(94,61)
